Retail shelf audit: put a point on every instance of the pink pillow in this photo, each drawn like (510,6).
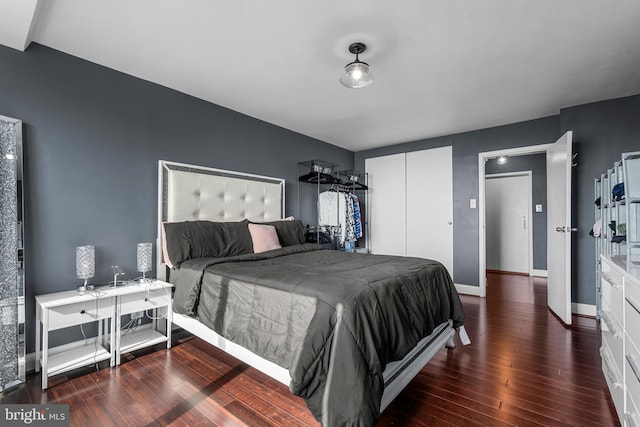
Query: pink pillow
(264,237)
(165,252)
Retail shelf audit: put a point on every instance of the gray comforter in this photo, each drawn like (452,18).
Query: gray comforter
(333,319)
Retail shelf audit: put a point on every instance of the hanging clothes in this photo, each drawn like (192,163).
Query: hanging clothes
(330,205)
(356,216)
(342,210)
(596,230)
(350,227)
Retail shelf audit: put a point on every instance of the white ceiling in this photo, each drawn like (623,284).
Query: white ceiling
(441,66)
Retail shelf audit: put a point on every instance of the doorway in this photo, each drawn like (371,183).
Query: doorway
(509,229)
(484,167)
(558,163)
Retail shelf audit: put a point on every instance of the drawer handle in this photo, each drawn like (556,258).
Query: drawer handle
(634,304)
(610,325)
(83,311)
(634,365)
(631,419)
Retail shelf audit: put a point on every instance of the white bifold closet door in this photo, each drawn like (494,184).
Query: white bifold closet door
(411,204)
(430,205)
(387,205)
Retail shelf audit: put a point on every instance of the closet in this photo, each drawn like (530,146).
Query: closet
(410,209)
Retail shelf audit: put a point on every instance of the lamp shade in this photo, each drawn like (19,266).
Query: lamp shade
(144,252)
(357,75)
(85,262)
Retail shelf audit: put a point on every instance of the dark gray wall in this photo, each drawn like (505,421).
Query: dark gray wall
(537,164)
(92,141)
(466,147)
(602,131)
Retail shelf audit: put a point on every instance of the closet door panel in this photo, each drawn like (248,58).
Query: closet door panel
(387,204)
(430,205)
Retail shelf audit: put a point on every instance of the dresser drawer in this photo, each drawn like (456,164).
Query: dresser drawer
(144,300)
(632,416)
(613,338)
(614,381)
(632,373)
(610,273)
(612,297)
(632,313)
(80,312)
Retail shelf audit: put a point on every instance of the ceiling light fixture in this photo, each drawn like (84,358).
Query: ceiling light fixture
(356,73)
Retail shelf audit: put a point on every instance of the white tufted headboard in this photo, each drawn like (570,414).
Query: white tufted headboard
(190,193)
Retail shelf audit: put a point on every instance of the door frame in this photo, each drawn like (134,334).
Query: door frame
(529,175)
(482,241)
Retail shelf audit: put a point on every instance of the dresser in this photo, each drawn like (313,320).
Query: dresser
(620,326)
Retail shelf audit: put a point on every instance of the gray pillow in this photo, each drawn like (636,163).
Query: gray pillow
(205,239)
(290,232)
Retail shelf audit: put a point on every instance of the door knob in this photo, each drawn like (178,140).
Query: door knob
(566,229)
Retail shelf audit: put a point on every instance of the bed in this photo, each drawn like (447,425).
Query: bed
(345,331)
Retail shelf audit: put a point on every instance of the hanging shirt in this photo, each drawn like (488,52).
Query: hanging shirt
(597,228)
(356,216)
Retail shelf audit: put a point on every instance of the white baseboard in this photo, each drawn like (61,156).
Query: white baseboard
(468,289)
(540,273)
(583,309)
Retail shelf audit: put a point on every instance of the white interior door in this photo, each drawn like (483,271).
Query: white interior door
(559,227)
(387,204)
(508,212)
(430,205)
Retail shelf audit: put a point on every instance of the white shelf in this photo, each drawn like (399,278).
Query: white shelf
(85,354)
(140,339)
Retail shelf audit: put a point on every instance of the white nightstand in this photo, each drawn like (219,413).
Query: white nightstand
(105,305)
(154,300)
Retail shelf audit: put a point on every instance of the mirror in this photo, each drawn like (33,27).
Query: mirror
(12,350)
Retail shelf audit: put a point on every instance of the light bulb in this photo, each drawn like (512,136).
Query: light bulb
(356,74)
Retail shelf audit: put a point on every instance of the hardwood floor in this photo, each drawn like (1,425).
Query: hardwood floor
(523,368)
